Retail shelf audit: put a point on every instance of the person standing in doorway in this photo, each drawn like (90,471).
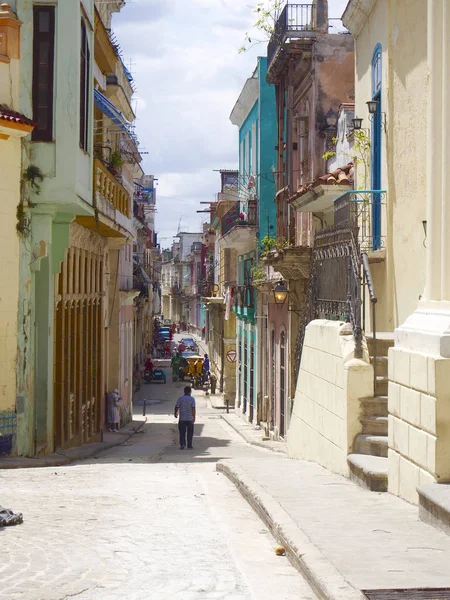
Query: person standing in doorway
(185,409)
(113,413)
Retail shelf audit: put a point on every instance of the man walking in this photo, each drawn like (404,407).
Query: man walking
(185,408)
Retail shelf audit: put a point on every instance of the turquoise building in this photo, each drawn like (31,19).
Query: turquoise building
(255,115)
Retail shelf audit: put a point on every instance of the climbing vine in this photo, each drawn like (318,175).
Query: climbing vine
(267,14)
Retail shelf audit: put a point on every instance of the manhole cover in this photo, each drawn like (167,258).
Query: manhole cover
(411,594)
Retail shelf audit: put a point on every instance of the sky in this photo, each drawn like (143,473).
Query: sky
(183,55)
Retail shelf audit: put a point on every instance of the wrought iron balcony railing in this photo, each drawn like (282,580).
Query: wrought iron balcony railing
(364,209)
(236,218)
(293,18)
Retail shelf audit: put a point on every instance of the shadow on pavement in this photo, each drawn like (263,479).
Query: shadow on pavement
(158,442)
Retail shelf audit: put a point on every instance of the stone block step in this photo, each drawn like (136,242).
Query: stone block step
(375,406)
(374,425)
(381,365)
(381,385)
(384,341)
(370,472)
(434,505)
(372,445)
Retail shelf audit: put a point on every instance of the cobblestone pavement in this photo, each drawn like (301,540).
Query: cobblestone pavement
(143,521)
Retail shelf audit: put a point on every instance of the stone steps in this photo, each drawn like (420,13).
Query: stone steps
(381,363)
(374,406)
(384,341)
(370,472)
(434,505)
(369,464)
(381,385)
(372,445)
(374,425)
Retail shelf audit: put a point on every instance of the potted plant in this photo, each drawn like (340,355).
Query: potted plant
(115,162)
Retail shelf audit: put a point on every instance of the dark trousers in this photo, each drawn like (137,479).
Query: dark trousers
(184,426)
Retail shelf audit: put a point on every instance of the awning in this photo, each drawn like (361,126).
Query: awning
(108,109)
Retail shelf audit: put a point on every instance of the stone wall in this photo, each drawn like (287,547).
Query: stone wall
(419,421)
(325,417)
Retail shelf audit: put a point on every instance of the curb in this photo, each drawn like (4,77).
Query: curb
(251,441)
(324,579)
(62,460)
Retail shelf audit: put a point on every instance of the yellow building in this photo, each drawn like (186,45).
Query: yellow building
(13,127)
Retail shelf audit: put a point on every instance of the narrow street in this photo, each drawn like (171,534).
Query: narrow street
(144,520)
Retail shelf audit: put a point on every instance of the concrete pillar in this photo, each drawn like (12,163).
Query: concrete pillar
(44,305)
(113,326)
(434,154)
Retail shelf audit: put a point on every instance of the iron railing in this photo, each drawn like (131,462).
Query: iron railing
(293,17)
(236,218)
(367,281)
(337,281)
(364,208)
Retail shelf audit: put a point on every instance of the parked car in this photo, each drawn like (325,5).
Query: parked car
(189,343)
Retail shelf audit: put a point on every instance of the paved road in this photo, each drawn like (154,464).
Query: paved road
(143,521)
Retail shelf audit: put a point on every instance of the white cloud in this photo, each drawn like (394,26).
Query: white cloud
(185,62)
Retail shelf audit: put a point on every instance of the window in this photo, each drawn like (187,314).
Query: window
(43,71)
(376,147)
(85,87)
(376,70)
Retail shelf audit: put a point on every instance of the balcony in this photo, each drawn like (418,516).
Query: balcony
(244,302)
(295,21)
(111,197)
(238,228)
(112,205)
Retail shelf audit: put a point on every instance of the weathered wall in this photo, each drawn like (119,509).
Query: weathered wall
(325,417)
(399,28)
(9,269)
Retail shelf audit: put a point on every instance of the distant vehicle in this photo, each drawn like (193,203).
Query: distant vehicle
(188,344)
(190,353)
(162,329)
(167,322)
(158,376)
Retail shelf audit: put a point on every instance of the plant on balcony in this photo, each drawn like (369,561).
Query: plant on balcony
(268,244)
(115,162)
(282,244)
(267,14)
(259,273)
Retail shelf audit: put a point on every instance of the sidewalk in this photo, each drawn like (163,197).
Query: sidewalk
(341,537)
(65,457)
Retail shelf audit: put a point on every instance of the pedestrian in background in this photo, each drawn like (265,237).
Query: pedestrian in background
(206,367)
(185,410)
(113,413)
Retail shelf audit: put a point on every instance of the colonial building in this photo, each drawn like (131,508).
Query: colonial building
(313,73)
(400,54)
(220,282)
(255,115)
(14,127)
(76,312)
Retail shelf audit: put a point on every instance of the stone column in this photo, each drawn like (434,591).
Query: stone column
(419,364)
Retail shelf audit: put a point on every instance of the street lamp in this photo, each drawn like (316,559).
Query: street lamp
(280,293)
(357,123)
(372,105)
